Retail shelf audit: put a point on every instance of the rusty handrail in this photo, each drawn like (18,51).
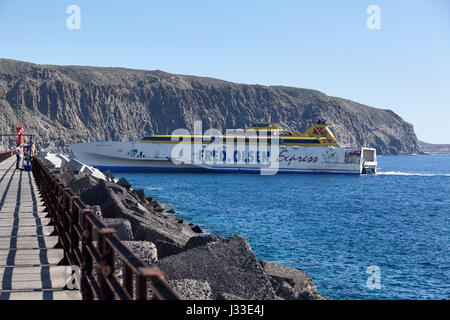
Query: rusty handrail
(76,226)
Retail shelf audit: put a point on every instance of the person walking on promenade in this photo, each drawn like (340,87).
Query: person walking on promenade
(32,149)
(19,156)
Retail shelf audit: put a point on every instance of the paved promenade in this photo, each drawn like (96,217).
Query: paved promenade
(28,260)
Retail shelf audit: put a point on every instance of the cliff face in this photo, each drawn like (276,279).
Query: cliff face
(64,104)
(434,148)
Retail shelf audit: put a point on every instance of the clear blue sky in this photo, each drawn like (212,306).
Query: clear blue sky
(323,45)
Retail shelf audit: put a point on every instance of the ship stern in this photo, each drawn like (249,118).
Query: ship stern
(368,161)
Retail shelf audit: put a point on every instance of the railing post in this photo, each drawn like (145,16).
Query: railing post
(107,263)
(127,279)
(74,237)
(141,285)
(142,280)
(87,264)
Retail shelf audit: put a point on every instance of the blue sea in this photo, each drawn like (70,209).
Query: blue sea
(384,236)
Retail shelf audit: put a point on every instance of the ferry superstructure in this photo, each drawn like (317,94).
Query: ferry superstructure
(262,148)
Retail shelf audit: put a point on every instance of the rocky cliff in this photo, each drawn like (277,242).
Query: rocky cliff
(434,148)
(63,104)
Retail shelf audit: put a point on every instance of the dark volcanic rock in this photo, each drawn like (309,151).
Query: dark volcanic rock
(122,226)
(199,267)
(197,229)
(229,266)
(143,249)
(202,240)
(291,284)
(227,296)
(97,211)
(67,177)
(47,163)
(169,238)
(109,174)
(65,104)
(115,202)
(79,183)
(124,183)
(190,289)
(140,194)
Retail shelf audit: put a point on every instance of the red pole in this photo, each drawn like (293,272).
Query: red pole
(20,130)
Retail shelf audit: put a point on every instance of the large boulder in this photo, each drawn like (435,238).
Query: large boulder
(67,177)
(143,249)
(48,164)
(115,202)
(64,159)
(291,284)
(228,265)
(140,194)
(197,229)
(53,159)
(122,227)
(109,175)
(74,165)
(201,241)
(93,172)
(190,289)
(169,236)
(124,183)
(79,183)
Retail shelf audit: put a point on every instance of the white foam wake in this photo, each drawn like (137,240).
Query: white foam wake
(397,173)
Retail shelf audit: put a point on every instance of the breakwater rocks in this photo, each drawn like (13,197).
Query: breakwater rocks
(199,266)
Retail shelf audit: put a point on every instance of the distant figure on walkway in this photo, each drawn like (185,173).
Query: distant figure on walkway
(19,156)
(32,149)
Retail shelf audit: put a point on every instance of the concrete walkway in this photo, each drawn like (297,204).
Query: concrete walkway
(29,267)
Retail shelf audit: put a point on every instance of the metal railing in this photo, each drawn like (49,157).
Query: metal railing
(76,226)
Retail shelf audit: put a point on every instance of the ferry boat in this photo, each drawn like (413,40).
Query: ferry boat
(262,148)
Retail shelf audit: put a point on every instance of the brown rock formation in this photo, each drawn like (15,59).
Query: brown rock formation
(64,104)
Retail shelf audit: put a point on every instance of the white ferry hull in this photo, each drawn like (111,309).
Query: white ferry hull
(156,157)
